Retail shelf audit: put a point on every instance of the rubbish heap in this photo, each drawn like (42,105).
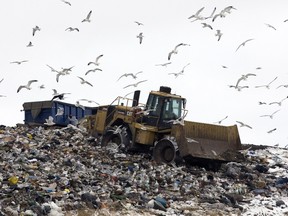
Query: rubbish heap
(64,171)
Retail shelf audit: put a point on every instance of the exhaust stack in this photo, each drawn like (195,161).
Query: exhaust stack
(136,98)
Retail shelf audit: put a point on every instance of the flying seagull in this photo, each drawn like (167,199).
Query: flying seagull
(29,44)
(220,121)
(243,124)
(77,104)
(96,61)
(272,130)
(175,51)
(279,102)
(27,86)
(130,74)
(270,26)
(244,77)
(66,2)
(139,23)
(243,43)
(49,121)
(72,29)
(87,19)
(135,84)
(285,86)
(60,111)
(218,34)
(197,14)
(140,36)
(205,25)
(270,116)
(83,81)
(36,28)
(19,62)
(164,64)
(59,96)
(89,101)
(93,70)
(268,85)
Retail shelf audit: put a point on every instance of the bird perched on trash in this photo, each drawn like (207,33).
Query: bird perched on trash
(140,36)
(96,62)
(27,86)
(77,104)
(87,19)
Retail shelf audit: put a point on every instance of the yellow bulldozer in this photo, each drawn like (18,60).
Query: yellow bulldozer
(159,125)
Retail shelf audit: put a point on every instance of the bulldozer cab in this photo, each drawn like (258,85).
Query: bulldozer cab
(163,108)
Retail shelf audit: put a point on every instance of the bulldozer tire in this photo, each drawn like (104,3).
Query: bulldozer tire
(119,137)
(164,152)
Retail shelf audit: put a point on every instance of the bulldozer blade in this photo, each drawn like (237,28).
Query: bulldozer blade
(207,141)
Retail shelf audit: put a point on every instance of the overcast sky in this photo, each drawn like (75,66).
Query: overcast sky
(112,32)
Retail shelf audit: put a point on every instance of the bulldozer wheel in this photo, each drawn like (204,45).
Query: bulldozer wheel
(119,137)
(164,152)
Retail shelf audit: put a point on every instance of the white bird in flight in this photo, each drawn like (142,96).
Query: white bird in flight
(138,23)
(87,19)
(72,29)
(268,85)
(134,75)
(175,50)
(19,62)
(66,2)
(49,121)
(29,44)
(93,70)
(27,86)
(36,28)
(243,124)
(270,26)
(164,64)
(60,111)
(270,116)
(279,102)
(83,81)
(96,62)
(140,36)
(89,101)
(218,34)
(220,121)
(244,43)
(135,84)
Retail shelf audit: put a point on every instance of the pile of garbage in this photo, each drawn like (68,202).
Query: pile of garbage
(64,171)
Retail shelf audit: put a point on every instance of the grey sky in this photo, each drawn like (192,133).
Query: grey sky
(112,32)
